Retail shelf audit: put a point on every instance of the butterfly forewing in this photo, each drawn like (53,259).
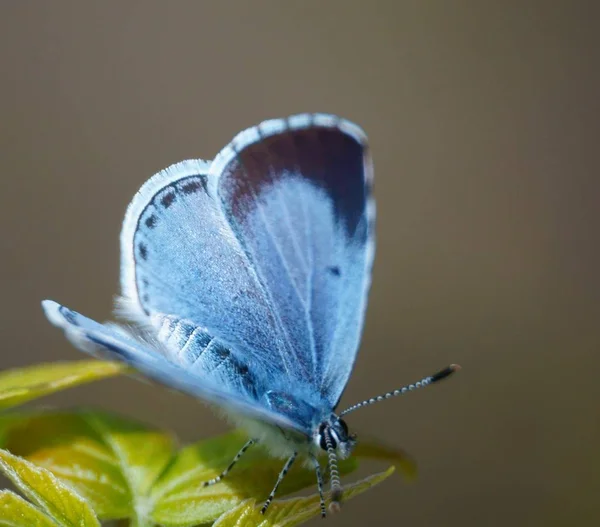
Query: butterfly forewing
(298,200)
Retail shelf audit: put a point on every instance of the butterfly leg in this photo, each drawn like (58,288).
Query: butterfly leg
(282,475)
(237,457)
(319,484)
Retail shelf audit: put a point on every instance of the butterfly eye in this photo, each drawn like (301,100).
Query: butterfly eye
(324,430)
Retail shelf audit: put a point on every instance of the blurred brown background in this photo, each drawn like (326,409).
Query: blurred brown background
(483,118)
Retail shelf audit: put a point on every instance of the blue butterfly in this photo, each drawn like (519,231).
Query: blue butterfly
(246,279)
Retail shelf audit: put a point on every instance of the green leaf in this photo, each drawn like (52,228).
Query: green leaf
(180,500)
(22,385)
(111,462)
(287,513)
(49,493)
(15,511)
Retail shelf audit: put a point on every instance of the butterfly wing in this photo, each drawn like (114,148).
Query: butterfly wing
(115,343)
(297,196)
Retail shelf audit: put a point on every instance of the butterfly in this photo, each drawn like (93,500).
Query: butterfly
(245,281)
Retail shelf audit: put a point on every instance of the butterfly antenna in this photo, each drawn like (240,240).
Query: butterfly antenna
(436,377)
(334,475)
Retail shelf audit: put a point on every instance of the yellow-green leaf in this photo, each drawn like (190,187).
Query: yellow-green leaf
(180,500)
(288,513)
(110,461)
(142,454)
(60,502)
(22,385)
(125,470)
(16,512)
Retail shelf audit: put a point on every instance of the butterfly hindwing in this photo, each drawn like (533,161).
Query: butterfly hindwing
(116,343)
(179,257)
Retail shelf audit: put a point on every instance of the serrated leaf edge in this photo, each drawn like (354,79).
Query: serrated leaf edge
(32,493)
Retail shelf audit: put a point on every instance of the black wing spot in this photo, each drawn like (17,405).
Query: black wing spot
(168,199)
(151,221)
(143,251)
(193,186)
(334,270)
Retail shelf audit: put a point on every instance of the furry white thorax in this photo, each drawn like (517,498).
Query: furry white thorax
(280,443)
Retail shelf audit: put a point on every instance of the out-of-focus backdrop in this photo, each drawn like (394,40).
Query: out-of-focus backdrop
(483,119)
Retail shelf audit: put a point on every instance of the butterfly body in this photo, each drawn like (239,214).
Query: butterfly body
(193,348)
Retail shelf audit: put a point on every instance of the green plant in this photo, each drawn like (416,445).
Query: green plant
(82,467)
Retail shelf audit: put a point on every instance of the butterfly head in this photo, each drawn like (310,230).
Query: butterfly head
(333,433)
(333,437)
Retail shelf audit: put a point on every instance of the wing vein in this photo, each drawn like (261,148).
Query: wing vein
(277,316)
(281,198)
(309,288)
